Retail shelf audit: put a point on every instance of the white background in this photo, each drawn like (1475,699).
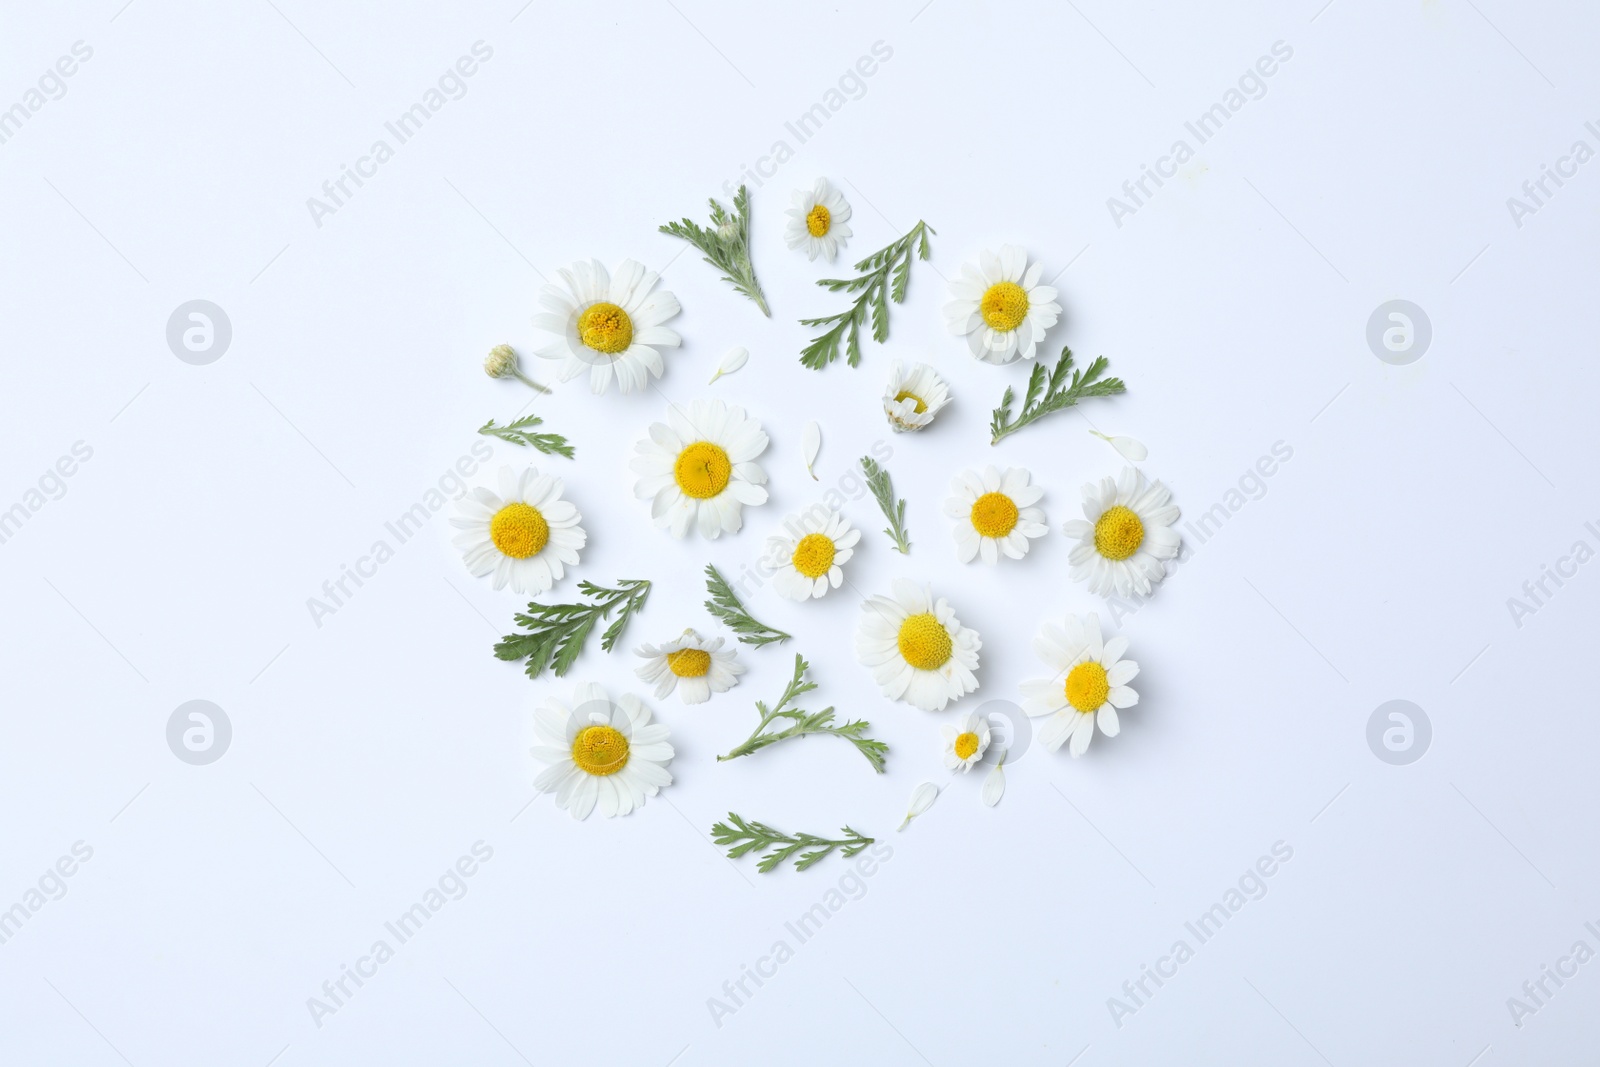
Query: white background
(371,752)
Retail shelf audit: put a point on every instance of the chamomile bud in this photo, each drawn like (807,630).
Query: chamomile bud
(502,363)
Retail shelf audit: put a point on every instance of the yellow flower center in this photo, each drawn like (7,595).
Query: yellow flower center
(702,470)
(1087,686)
(519,531)
(605,328)
(600,750)
(1004,306)
(813,555)
(903,395)
(818,220)
(924,643)
(966,745)
(689,662)
(1118,534)
(994,515)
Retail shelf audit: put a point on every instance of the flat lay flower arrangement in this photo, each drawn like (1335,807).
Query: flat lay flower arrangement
(698,473)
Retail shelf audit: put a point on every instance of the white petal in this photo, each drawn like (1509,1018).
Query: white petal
(994,786)
(922,798)
(1130,449)
(810,445)
(735,358)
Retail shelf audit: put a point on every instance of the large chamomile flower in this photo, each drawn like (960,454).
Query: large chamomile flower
(1090,683)
(1000,307)
(917,649)
(994,513)
(607,325)
(806,558)
(698,468)
(1125,535)
(526,536)
(964,744)
(913,398)
(819,220)
(692,665)
(600,753)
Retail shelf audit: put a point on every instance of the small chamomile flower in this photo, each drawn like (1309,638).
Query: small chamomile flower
(1089,685)
(806,558)
(526,535)
(600,753)
(964,744)
(819,220)
(913,397)
(994,513)
(692,665)
(1000,307)
(1125,536)
(698,468)
(917,649)
(607,325)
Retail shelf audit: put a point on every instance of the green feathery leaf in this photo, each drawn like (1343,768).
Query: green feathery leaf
(551,444)
(893,510)
(745,836)
(1052,391)
(725,605)
(726,245)
(886,273)
(807,722)
(557,631)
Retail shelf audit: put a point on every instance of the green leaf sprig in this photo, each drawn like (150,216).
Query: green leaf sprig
(806,722)
(725,605)
(726,245)
(886,275)
(893,510)
(746,836)
(1052,392)
(517,432)
(557,631)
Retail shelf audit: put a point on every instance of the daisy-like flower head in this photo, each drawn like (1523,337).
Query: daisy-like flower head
(692,665)
(917,649)
(913,399)
(600,753)
(806,558)
(1090,683)
(1125,535)
(1000,307)
(698,468)
(964,744)
(607,325)
(526,536)
(819,220)
(994,513)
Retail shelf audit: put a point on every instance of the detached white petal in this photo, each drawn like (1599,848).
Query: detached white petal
(810,445)
(922,798)
(994,786)
(736,358)
(1131,450)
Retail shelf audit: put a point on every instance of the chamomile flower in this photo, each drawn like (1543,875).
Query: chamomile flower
(994,513)
(526,535)
(918,651)
(698,468)
(806,558)
(1125,535)
(819,221)
(692,665)
(1000,307)
(608,325)
(964,744)
(1090,683)
(600,753)
(913,398)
